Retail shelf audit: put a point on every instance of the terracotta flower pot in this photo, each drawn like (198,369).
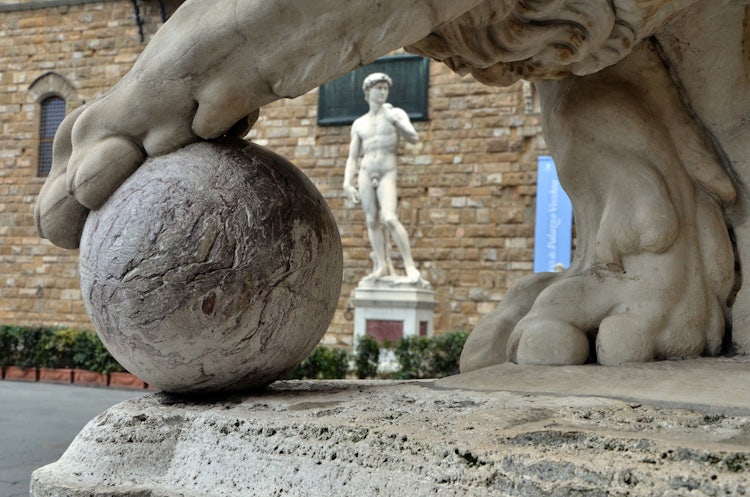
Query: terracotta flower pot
(14,373)
(56,375)
(90,378)
(126,380)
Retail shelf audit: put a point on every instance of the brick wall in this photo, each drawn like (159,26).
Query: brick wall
(466,189)
(91,47)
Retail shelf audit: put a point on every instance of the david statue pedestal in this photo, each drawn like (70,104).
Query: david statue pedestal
(388,306)
(390,313)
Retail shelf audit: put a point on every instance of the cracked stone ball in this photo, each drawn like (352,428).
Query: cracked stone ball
(211,269)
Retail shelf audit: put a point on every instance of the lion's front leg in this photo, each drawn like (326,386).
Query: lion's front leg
(654,266)
(487,342)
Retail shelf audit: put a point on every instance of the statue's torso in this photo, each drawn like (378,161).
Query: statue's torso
(379,143)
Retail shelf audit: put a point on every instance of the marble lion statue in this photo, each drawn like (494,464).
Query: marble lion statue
(645,108)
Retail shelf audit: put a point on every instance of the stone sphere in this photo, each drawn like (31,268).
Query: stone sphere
(214,268)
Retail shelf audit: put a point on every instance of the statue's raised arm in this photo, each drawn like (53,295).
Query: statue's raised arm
(206,73)
(400,120)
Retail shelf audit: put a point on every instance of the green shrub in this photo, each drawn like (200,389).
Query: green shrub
(89,353)
(447,352)
(325,363)
(84,351)
(418,357)
(8,345)
(421,357)
(55,348)
(49,347)
(413,358)
(32,348)
(367,357)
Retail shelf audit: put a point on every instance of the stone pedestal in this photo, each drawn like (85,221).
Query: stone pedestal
(391,313)
(669,429)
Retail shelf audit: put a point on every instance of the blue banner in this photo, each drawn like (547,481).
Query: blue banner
(554,220)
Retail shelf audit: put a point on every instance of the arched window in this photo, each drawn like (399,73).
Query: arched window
(52,114)
(52,95)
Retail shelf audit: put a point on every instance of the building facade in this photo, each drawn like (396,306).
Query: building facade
(466,190)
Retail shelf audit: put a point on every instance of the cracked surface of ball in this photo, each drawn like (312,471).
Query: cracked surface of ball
(214,268)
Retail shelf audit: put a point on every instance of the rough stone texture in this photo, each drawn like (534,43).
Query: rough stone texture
(501,42)
(216,267)
(666,429)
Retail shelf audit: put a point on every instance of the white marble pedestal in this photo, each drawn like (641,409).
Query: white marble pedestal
(391,313)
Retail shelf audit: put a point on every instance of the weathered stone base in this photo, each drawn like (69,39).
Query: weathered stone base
(666,429)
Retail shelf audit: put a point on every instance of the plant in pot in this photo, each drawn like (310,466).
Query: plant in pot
(23,361)
(8,346)
(54,355)
(367,357)
(101,368)
(92,361)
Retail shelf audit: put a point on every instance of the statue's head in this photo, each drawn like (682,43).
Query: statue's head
(373,79)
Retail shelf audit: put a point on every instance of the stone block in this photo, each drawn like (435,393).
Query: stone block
(675,428)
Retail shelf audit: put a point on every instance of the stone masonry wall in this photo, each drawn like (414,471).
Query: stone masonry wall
(466,189)
(91,46)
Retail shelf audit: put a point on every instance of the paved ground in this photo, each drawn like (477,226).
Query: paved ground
(37,423)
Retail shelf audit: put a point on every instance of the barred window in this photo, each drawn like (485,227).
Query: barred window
(342,101)
(52,114)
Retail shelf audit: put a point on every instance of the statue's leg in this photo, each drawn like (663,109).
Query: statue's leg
(654,265)
(376,230)
(388,200)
